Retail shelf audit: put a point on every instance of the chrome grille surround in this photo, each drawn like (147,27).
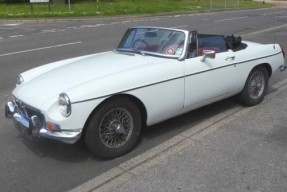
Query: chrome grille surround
(29,111)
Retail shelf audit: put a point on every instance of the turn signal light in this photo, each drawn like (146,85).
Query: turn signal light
(53,127)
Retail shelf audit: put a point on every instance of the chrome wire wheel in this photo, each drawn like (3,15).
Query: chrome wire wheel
(256,85)
(116,127)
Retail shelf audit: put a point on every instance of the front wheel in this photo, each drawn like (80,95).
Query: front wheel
(114,128)
(255,87)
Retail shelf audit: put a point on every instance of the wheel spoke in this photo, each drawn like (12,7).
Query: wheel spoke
(116,127)
(256,85)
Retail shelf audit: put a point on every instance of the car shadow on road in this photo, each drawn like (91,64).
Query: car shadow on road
(154,135)
(63,152)
(150,137)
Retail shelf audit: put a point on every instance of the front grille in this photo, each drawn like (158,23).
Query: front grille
(27,110)
(21,107)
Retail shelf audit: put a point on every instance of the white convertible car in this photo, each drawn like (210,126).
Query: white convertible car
(154,74)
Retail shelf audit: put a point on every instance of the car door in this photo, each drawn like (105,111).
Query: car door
(208,80)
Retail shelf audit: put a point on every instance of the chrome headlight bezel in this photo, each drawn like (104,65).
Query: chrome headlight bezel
(64,105)
(19,79)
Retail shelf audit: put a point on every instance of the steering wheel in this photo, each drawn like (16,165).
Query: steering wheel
(140,41)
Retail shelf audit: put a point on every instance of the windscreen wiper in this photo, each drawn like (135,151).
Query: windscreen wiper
(131,50)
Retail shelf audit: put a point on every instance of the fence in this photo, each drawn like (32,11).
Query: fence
(219,4)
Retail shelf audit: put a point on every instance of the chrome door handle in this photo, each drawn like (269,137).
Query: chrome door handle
(230,58)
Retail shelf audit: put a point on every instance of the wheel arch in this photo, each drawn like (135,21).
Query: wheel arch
(244,97)
(132,98)
(267,66)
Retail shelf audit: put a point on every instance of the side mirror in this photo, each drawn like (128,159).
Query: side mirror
(208,54)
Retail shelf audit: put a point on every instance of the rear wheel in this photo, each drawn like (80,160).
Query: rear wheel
(114,128)
(255,87)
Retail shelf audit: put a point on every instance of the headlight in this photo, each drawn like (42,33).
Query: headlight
(65,107)
(19,79)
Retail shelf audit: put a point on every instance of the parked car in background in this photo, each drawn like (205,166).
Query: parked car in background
(154,74)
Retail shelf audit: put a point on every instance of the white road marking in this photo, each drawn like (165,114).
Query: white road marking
(41,48)
(126,21)
(230,19)
(48,31)
(14,36)
(73,27)
(200,14)
(13,24)
(274,13)
(115,23)
(92,26)
(264,30)
(85,26)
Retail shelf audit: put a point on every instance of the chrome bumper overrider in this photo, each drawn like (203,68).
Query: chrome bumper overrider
(283,68)
(32,124)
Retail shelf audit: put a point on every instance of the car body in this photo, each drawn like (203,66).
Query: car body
(154,74)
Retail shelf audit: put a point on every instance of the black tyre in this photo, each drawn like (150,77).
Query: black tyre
(255,87)
(114,128)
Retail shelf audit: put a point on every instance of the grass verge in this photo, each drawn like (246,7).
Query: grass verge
(119,7)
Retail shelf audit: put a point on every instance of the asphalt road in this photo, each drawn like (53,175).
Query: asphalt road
(51,166)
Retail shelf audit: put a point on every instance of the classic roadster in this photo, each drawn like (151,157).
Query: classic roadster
(152,75)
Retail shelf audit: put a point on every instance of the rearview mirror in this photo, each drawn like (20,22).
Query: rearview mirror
(208,54)
(150,34)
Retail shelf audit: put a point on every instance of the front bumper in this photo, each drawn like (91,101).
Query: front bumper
(31,123)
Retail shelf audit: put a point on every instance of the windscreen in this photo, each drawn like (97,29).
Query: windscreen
(152,40)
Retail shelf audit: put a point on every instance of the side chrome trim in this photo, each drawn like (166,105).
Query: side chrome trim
(261,57)
(171,79)
(121,92)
